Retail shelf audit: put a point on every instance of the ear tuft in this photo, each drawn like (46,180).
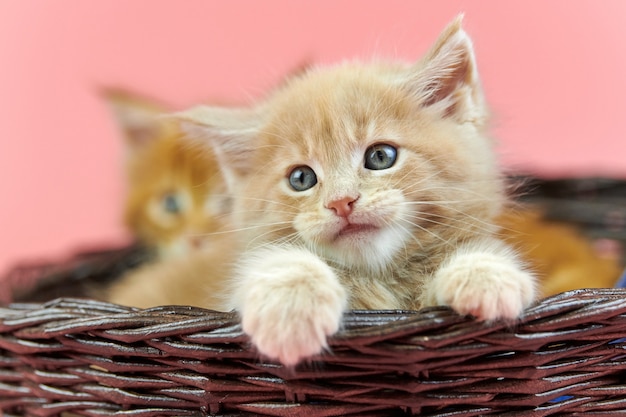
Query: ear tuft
(447,76)
(229,132)
(138,117)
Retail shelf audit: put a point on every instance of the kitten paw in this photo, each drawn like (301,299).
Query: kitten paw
(290,308)
(484,285)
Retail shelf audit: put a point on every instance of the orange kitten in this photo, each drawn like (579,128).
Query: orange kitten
(176,204)
(175,194)
(368,186)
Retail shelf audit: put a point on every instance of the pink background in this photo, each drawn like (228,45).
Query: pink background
(554,72)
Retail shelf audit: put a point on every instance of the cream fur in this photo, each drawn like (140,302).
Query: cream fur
(426,222)
(484,279)
(289,301)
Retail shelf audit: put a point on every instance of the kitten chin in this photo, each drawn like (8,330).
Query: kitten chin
(364,186)
(364,248)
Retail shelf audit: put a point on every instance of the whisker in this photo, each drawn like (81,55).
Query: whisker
(266,244)
(440,202)
(435,235)
(481,221)
(450,225)
(264,200)
(242,229)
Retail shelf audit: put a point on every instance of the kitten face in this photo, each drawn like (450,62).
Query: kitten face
(299,162)
(355,170)
(175,196)
(352,214)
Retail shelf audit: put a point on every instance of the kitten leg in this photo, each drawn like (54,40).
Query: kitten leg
(484,279)
(289,301)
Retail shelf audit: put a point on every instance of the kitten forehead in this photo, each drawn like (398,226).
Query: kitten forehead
(336,110)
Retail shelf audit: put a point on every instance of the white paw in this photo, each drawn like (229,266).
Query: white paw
(484,285)
(289,307)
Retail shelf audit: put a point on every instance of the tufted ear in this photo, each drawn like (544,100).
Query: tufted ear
(229,131)
(138,118)
(447,78)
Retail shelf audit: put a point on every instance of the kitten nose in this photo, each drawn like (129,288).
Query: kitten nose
(195,242)
(343,206)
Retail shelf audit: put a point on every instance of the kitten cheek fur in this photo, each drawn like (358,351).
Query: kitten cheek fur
(289,297)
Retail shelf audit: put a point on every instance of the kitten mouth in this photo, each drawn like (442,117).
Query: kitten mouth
(353,229)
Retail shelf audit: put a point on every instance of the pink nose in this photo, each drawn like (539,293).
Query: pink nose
(342,207)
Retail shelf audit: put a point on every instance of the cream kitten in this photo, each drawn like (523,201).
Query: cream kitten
(365,186)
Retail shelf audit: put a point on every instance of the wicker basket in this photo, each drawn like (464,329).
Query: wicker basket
(566,356)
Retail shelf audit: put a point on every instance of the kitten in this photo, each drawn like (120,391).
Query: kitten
(176,204)
(175,194)
(561,258)
(365,186)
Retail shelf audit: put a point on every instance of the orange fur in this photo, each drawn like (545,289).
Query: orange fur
(176,204)
(175,194)
(558,253)
(197,278)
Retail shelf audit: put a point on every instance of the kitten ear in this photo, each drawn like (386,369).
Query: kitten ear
(229,131)
(139,118)
(447,77)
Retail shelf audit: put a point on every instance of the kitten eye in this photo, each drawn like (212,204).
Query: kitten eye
(302,178)
(171,204)
(380,156)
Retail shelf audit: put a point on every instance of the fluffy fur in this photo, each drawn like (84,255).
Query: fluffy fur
(561,258)
(418,232)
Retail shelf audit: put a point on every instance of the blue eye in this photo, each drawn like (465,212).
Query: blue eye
(171,204)
(380,156)
(302,178)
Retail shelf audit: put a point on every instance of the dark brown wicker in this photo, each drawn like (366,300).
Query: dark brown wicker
(564,357)
(83,274)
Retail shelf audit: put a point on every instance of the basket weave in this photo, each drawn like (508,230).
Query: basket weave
(564,357)
(81,275)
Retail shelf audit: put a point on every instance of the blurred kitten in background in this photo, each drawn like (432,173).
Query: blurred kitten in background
(175,193)
(561,256)
(176,205)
